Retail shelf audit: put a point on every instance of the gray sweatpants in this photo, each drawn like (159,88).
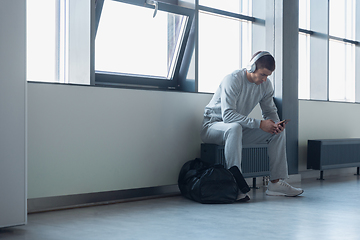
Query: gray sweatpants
(233,135)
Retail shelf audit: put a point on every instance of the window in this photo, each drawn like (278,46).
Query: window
(327,51)
(127,44)
(231,6)
(341,71)
(304,66)
(304,49)
(42,41)
(223,49)
(58,41)
(341,50)
(132,46)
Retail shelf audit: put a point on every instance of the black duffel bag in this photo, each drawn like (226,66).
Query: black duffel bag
(204,183)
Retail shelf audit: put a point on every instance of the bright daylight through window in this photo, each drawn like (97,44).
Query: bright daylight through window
(222,50)
(342,54)
(134,47)
(327,50)
(58,41)
(132,43)
(42,41)
(304,50)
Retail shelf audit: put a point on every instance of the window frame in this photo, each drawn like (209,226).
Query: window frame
(138,81)
(185,77)
(317,34)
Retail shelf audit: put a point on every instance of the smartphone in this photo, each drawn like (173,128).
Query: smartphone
(283,122)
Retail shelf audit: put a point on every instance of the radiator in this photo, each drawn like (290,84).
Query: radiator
(255,160)
(326,154)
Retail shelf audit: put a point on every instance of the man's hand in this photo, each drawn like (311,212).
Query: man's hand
(271,127)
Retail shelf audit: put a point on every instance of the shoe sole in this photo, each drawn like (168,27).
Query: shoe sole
(271,193)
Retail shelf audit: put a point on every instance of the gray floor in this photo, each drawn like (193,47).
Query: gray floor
(328,209)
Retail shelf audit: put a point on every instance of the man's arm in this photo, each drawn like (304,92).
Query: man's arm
(269,112)
(267,105)
(229,93)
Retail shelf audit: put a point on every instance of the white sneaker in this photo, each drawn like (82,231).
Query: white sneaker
(282,188)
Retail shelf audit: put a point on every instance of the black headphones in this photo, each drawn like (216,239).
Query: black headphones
(251,67)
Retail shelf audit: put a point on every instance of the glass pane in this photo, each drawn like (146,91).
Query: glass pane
(342,18)
(222,50)
(304,14)
(130,41)
(41,40)
(304,66)
(341,71)
(235,6)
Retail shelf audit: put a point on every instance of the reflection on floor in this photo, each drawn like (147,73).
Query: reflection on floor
(328,209)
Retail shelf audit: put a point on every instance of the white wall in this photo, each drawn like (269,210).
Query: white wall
(12,113)
(90,139)
(326,120)
(85,139)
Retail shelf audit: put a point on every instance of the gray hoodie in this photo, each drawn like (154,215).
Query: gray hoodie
(236,97)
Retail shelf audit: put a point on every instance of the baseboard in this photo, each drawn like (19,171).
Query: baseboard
(328,173)
(36,205)
(100,198)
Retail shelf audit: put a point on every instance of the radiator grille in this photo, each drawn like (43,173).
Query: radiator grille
(333,153)
(255,160)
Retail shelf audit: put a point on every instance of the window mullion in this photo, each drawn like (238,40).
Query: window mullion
(63,41)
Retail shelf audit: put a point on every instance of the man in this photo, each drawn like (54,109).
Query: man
(226,121)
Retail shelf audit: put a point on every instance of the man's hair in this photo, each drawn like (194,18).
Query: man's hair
(266,61)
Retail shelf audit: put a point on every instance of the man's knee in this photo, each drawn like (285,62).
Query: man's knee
(234,130)
(279,137)
(283,133)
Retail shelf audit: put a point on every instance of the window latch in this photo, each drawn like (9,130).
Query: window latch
(154,3)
